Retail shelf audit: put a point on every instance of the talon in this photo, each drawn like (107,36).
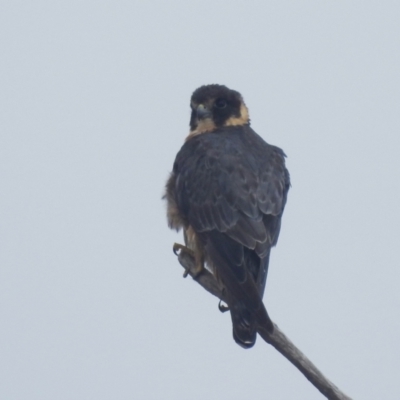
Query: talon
(196,271)
(177,248)
(222,308)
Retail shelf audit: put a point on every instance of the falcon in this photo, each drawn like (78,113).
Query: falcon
(227,191)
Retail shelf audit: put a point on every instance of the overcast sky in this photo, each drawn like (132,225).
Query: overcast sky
(94,107)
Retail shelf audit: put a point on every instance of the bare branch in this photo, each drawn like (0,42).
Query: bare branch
(278,339)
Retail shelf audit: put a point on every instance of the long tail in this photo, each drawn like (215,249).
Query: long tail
(246,322)
(243,293)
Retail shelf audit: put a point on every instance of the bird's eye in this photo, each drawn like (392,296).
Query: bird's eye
(220,103)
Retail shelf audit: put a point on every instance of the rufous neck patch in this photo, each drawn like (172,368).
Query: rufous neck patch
(208,125)
(205,125)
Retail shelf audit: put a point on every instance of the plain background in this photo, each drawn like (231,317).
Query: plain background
(94,107)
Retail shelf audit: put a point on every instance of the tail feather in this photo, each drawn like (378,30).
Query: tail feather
(243,290)
(245,323)
(243,326)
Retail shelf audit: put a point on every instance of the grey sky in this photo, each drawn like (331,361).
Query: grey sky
(94,107)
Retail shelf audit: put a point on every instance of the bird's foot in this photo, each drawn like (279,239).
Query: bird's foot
(199,267)
(222,307)
(177,248)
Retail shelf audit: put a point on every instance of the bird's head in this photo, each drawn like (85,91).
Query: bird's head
(216,106)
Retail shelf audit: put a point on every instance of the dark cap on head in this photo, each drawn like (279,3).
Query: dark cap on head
(215,106)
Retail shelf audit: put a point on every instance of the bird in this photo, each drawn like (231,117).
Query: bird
(227,192)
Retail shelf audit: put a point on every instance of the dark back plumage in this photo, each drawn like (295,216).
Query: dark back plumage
(231,188)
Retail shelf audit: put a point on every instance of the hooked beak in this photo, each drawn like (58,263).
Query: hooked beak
(202,112)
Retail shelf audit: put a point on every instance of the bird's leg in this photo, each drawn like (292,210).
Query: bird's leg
(199,262)
(177,248)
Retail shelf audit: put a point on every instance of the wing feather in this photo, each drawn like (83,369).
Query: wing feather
(234,182)
(231,187)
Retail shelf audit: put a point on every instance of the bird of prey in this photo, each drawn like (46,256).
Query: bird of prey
(227,192)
